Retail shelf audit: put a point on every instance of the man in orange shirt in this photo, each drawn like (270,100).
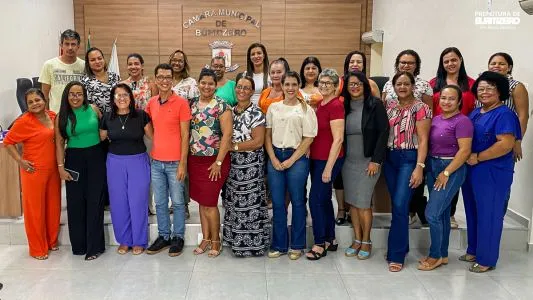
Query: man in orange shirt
(171,117)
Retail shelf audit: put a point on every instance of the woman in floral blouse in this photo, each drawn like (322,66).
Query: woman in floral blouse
(208,163)
(183,84)
(142,87)
(246,222)
(98,81)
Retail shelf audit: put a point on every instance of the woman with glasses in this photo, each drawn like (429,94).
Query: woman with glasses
(82,166)
(246,222)
(128,169)
(290,129)
(409,61)
(490,175)
(225,87)
(182,84)
(327,156)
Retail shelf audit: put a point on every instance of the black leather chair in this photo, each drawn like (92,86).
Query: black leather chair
(380,81)
(23,84)
(36,83)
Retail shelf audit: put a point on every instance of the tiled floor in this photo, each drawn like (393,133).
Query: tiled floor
(113,276)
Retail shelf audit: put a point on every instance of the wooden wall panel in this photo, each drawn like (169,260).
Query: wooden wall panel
(199,45)
(170,28)
(307,30)
(273,26)
(135,26)
(335,61)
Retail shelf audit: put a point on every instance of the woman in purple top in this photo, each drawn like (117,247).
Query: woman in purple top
(450,142)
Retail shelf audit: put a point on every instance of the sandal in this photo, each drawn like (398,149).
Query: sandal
(395,267)
(92,257)
(295,254)
(351,251)
(467,257)
(426,266)
(341,220)
(214,252)
(137,250)
(477,268)
(201,250)
(41,257)
(445,260)
(362,255)
(317,255)
(333,246)
(54,248)
(123,249)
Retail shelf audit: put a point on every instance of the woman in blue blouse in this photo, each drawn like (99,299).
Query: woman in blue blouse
(489,177)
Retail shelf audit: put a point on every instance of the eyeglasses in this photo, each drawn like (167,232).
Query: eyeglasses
(218,67)
(355,84)
(163,78)
(407,63)
(488,89)
(75,95)
(121,96)
(325,83)
(244,88)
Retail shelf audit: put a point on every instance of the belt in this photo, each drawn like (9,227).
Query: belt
(442,157)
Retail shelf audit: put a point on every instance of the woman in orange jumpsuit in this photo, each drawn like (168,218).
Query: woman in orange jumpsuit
(41,186)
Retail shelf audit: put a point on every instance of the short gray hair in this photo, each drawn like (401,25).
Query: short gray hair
(332,74)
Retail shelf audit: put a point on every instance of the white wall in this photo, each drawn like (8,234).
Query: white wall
(430,26)
(29,31)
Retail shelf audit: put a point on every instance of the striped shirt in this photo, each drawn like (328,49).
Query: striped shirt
(402,121)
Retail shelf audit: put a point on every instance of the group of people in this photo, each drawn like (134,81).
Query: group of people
(261,136)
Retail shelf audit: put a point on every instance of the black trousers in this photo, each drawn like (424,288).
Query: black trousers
(85,199)
(419,202)
(455,199)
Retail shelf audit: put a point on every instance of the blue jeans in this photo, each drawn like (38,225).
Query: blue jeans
(439,204)
(398,168)
(293,180)
(320,203)
(165,184)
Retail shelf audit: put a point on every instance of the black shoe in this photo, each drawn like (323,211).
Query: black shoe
(159,245)
(176,246)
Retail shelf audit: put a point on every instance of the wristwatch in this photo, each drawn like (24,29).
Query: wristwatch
(446,173)
(421,164)
(219,163)
(236,147)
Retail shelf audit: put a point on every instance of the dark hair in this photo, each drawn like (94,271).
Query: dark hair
(367,92)
(496,79)
(398,74)
(412,53)
(136,55)
(292,74)
(114,107)
(218,57)
(310,60)
(457,90)
(88,70)
(462,80)
(247,77)
(209,73)
(250,65)
(163,67)
(33,91)
(70,34)
(186,68)
(349,57)
(65,110)
(507,58)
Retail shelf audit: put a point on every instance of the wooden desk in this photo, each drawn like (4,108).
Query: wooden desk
(10,199)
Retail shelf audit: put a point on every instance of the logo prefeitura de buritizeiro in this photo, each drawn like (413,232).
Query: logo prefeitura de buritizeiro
(496,19)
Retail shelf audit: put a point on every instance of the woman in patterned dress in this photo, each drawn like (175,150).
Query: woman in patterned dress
(246,223)
(142,87)
(208,162)
(98,81)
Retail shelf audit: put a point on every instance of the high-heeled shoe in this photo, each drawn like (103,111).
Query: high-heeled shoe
(362,255)
(350,251)
(201,250)
(341,220)
(214,252)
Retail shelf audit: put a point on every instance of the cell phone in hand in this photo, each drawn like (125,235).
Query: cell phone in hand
(75,175)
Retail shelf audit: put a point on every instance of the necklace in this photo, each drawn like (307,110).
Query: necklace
(125,121)
(241,110)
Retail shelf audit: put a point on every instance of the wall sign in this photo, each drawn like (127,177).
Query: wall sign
(220,26)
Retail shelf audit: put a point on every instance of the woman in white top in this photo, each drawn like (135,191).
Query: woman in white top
(291,127)
(183,84)
(257,66)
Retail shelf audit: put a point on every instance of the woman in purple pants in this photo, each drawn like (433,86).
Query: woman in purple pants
(128,169)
